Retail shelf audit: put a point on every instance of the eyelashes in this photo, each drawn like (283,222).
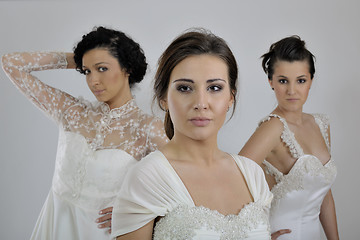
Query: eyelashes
(187,88)
(99,69)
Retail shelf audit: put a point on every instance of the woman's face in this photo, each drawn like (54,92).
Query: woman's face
(105,78)
(198,96)
(291,82)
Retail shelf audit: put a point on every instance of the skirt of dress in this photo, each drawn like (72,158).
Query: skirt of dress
(60,219)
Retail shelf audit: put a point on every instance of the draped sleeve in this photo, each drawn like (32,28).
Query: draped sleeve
(255,179)
(151,188)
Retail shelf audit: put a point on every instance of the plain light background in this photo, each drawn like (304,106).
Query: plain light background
(28,139)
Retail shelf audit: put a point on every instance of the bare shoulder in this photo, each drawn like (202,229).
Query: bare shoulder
(265,138)
(271,125)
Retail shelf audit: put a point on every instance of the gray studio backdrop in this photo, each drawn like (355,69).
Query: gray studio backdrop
(28,139)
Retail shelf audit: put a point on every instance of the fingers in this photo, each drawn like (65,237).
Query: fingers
(105,220)
(106,210)
(276,234)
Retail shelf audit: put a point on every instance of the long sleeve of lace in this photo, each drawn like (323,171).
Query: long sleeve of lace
(18,67)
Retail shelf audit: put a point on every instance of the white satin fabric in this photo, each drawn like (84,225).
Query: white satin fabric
(152,188)
(299,194)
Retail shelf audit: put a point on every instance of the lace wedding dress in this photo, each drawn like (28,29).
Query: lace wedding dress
(298,195)
(152,188)
(95,149)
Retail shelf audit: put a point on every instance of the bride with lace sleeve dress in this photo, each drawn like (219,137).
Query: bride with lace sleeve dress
(293,147)
(98,141)
(189,188)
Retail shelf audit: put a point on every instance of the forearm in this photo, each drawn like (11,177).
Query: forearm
(328,217)
(18,67)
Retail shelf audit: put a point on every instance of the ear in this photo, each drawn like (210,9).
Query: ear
(231,100)
(271,83)
(163,104)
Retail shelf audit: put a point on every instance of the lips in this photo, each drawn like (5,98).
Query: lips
(98,92)
(200,121)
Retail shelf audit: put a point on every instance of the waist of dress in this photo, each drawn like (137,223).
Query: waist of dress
(85,197)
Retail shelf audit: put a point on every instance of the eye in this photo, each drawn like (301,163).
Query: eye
(183,88)
(283,81)
(215,88)
(102,69)
(86,71)
(301,80)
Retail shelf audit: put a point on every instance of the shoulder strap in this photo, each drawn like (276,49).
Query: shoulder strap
(273,171)
(322,120)
(287,137)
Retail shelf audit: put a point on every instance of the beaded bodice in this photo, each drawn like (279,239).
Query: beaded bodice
(306,167)
(185,222)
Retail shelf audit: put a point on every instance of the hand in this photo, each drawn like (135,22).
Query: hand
(105,220)
(276,234)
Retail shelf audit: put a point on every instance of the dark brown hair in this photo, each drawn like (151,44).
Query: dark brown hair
(287,49)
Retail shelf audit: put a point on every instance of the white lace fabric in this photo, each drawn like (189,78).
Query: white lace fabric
(127,128)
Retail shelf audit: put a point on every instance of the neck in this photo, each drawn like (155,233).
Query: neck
(197,151)
(125,97)
(294,117)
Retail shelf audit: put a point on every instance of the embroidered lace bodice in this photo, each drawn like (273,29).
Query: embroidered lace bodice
(96,144)
(126,128)
(152,189)
(298,195)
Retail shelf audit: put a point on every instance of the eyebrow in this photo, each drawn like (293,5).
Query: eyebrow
(96,64)
(192,81)
(281,76)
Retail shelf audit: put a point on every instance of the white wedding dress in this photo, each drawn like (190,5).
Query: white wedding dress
(95,149)
(299,194)
(152,188)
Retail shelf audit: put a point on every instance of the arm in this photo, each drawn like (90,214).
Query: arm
(263,141)
(18,67)
(143,233)
(328,217)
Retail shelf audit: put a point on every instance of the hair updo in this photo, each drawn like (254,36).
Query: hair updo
(287,49)
(128,53)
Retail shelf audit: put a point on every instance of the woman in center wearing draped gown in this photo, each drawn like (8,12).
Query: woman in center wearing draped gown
(190,189)
(294,148)
(98,141)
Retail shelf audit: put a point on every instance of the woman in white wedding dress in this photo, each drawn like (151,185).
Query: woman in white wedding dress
(98,141)
(190,189)
(296,148)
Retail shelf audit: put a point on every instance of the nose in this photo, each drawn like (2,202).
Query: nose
(291,89)
(93,79)
(201,100)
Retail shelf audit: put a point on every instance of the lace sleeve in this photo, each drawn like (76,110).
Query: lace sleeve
(18,67)
(156,135)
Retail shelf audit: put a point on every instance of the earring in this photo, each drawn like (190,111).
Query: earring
(272,88)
